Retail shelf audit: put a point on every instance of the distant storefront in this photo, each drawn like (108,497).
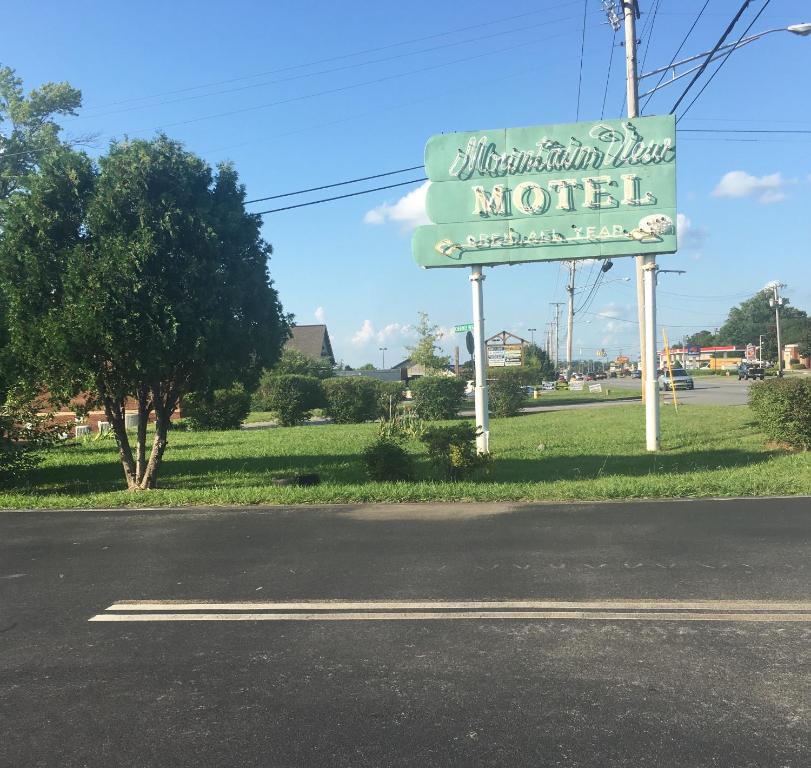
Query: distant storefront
(712,358)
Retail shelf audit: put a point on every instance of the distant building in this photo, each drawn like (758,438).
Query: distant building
(312,341)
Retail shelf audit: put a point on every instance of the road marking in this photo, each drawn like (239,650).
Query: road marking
(420,610)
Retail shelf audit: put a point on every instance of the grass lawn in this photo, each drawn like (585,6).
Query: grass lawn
(590,454)
(565,397)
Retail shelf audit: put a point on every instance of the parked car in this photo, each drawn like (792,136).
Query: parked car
(681,380)
(600,375)
(751,370)
(636,374)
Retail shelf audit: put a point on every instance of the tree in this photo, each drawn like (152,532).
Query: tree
(424,352)
(700,339)
(367,367)
(294,362)
(27,128)
(141,278)
(538,359)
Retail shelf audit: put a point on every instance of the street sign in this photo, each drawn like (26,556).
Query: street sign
(550,192)
(470,343)
(463,328)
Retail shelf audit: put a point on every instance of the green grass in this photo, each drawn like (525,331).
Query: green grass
(590,454)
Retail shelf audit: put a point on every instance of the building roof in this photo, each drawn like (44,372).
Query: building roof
(312,341)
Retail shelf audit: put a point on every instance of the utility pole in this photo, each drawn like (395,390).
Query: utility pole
(532,337)
(557,305)
(645,265)
(777,301)
(382,351)
(570,318)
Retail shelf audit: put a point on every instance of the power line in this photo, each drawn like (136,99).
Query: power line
(724,60)
(331,70)
(340,197)
(339,57)
(608,73)
(706,63)
(678,51)
(336,184)
(582,48)
(650,33)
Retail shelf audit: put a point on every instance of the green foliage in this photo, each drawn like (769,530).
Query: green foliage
(424,352)
(437,397)
(219,409)
(391,394)
(782,408)
(452,450)
(507,392)
(293,361)
(144,277)
(351,399)
(402,426)
(22,432)
(538,364)
(701,339)
(290,396)
(386,461)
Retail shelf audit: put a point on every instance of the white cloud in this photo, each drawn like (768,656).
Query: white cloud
(409,210)
(767,189)
(364,335)
(320,314)
(691,238)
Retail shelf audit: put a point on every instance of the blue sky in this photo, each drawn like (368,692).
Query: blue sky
(301,94)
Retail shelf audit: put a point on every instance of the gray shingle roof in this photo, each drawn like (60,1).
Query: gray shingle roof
(311,340)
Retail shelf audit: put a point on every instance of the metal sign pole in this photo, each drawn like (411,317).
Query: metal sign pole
(481,396)
(649,371)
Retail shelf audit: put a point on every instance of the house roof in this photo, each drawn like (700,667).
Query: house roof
(311,340)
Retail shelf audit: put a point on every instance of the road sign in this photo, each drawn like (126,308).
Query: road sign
(550,192)
(463,328)
(470,343)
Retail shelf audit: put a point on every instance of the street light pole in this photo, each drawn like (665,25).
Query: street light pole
(570,318)
(532,337)
(382,350)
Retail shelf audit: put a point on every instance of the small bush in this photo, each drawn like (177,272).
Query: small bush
(386,461)
(437,397)
(782,408)
(452,450)
(22,431)
(507,393)
(351,399)
(218,409)
(292,397)
(391,394)
(402,426)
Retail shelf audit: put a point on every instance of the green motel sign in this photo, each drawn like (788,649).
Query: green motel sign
(550,192)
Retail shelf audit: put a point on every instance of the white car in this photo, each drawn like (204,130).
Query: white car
(681,380)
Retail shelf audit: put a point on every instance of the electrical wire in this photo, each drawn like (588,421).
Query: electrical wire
(650,34)
(706,63)
(327,59)
(582,49)
(678,51)
(336,184)
(608,73)
(340,197)
(724,60)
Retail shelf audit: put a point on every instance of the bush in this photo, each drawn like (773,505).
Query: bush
(391,394)
(22,431)
(351,400)
(782,408)
(507,393)
(402,426)
(218,409)
(437,397)
(384,460)
(452,450)
(292,397)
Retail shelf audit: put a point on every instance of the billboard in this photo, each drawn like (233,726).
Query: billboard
(550,192)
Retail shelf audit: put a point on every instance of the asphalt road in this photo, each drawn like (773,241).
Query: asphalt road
(709,390)
(476,635)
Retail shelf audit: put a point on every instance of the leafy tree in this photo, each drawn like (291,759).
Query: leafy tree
(539,362)
(367,367)
(142,278)
(294,362)
(754,317)
(28,130)
(424,352)
(701,339)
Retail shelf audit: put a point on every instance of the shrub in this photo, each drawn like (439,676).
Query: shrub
(292,397)
(384,460)
(782,408)
(351,400)
(218,409)
(437,397)
(22,431)
(452,450)
(391,394)
(402,426)
(507,393)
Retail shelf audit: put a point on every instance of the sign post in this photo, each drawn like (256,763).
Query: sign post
(589,190)
(480,394)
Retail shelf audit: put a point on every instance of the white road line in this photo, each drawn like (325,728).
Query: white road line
(453,616)
(461,605)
